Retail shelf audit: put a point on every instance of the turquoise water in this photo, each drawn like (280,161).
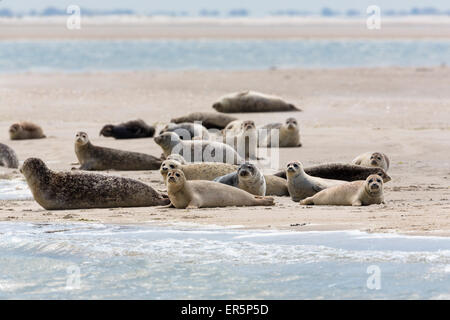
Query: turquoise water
(74,56)
(192,262)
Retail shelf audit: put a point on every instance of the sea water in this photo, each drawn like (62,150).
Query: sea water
(126,55)
(193,262)
(14,189)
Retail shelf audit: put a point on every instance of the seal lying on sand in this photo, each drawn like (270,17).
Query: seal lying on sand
(25,130)
(288,135)
(75,190)
(8,158)
(341,171)
(243,137)
(251,101)
(302,185)
(128,130)
(98,158)
(198,170)
(247,177)
(208,194)
(187,130)
(276,186)
(372,159)
(210,120)
(356,193)
(197,150)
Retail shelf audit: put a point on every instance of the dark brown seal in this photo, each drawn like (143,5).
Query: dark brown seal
(128,130)
(342,171)
(25,130)
(98,158)
(76,190)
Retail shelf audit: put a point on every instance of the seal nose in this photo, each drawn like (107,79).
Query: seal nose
(165,168)
(374,186)
(172,178)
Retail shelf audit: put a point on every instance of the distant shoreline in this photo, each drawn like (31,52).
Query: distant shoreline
(144,27)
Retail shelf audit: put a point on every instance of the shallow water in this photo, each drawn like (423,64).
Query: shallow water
(14,189)
(179,262)
(83,55)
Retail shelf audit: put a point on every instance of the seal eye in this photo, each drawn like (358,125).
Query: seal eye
(295,165)
(177,174)
(172,166)
(378,180)
(371,180)
(378,158)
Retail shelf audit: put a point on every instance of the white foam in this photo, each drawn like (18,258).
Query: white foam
(14,190)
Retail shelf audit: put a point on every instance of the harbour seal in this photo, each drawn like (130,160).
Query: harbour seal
(372,159)
(208,194)
(210,120)
(187,130)
(8,158)
(276,186)
(76,190)
(99,158)
(197,150)
(198,170)
(243,137)
(356,193)
(302,185)
(247,177)
(280,135)
(176,157)
(252,101)
(128,130)
(25,130)
(341,171)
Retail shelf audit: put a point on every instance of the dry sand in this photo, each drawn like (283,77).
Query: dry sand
(403,112)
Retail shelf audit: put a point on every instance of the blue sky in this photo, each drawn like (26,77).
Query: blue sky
(255,6)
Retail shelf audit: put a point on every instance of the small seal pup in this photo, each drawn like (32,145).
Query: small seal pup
(356,193)
(248,178)
(302,185)
(128,130)
(288,135)
(198,170)
(187,130)
(243,137)
(341,171)
(25,130)
(197,150)
(76,190)
(252,101)
(99,158)
(372,159)
(8,158)
(208,194)
(210,120)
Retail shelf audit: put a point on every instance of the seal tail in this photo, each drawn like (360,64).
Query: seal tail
(265,201)
(307,201)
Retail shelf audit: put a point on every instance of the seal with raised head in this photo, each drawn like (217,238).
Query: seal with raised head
(25,130)
(356,193)
(243,137)
(8,158)
(280,135)
(247,177)
(210,120)
(302,185)
(341,171)
(99,158)
(252,101)
(197,150)
(208,194)
(372,159)
(198,170)
(76,190)
(187,130)
(128,130)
